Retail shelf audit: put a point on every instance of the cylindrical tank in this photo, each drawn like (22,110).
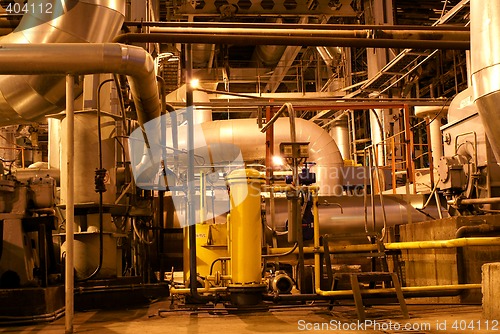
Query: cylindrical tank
(340,133)
(87,157)
(43,191)
(245,231)
(54,158)
(436,113)
(245,237)
(87,255)
(343,219)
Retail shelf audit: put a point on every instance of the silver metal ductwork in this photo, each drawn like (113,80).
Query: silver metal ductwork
(81,58)
(330,55)
(485,66)
(30,97)
(245,134)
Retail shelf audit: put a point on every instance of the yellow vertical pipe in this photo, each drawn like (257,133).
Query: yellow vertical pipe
(203,197)
(245,225)
(317,258)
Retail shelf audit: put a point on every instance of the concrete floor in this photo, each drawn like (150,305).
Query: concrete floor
(284,319)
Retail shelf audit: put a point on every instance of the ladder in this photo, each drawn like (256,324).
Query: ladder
(170,73)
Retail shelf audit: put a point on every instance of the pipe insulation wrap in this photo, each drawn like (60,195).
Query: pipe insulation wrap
(29,98)
(81,58)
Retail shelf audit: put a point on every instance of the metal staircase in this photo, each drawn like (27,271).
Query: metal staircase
(411,59)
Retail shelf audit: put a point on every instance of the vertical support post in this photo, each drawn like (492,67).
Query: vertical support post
(203,197)
(70,205)
(269,146)
(430,150)
(190,137)
(393,164)
(316,235)
(409,145)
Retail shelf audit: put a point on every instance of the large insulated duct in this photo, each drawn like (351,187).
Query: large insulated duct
(232,142)
(342,217)
(81,58)
(29,98)
(245,134)
(485,66)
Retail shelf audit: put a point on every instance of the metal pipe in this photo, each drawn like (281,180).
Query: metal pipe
(82,21)
(249,39)
(463,231)
(264,25)
(451,243)
(468,201)
(246,135)
(362,248)
(427,34)
(403,245)
(381,196)
(350,225)
(100,204)
(81,58)
(277,115)
(405,289)
(70,205)
(416,293)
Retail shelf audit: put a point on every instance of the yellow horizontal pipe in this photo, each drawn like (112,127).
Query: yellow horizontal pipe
(451,243)
(400,245)
(431,244)
(205,289)
(333,249)
(214,278)
(187,291)
(431,288)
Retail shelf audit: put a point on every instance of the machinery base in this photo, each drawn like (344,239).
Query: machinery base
(31,305)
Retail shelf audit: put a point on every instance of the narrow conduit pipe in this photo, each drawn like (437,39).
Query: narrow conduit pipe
(100,204)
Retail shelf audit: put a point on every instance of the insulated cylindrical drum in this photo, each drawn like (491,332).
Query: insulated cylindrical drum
(87,156)
(245,229)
